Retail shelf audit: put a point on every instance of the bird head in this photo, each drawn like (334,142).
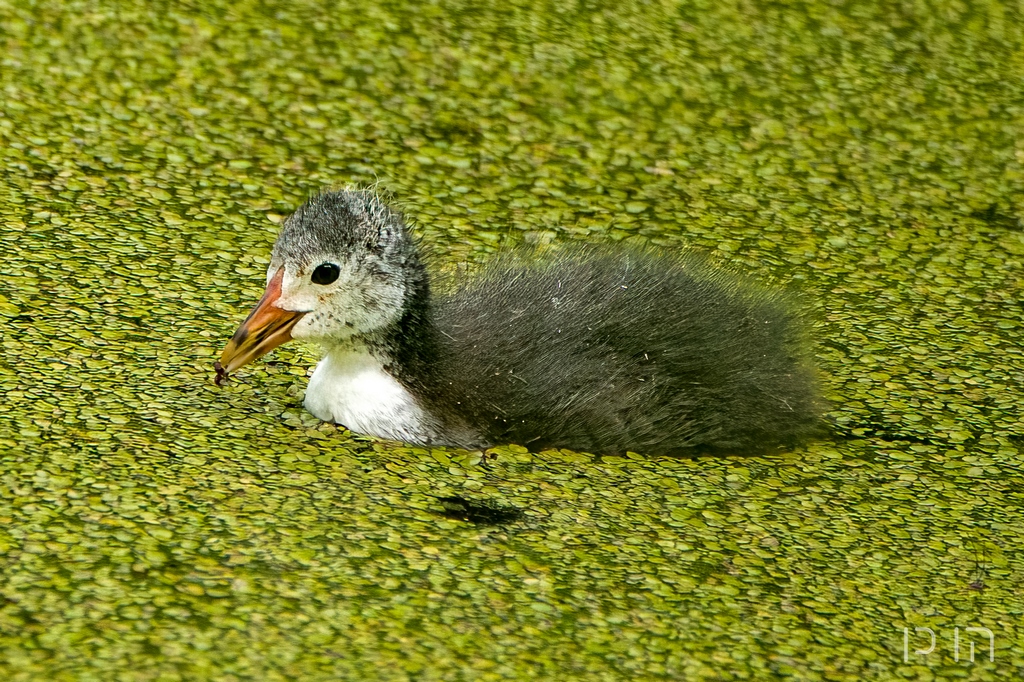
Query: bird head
(339,269)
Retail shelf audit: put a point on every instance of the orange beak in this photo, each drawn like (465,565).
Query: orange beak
(266,328)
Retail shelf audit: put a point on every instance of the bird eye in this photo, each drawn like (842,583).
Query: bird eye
(325,273)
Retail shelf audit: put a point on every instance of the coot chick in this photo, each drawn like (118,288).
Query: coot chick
(597,348)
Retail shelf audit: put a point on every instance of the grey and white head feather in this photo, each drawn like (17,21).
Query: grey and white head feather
(376,259)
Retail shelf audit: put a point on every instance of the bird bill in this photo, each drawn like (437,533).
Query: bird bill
(266,328)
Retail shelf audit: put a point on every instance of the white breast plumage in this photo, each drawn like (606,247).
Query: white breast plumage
(350,387)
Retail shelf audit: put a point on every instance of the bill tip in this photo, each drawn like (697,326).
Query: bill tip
(222,374)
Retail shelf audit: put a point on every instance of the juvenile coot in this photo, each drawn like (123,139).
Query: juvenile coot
(590,347)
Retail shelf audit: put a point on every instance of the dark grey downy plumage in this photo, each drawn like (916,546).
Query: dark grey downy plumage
(590,347)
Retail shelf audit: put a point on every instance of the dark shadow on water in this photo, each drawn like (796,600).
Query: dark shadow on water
(478,513)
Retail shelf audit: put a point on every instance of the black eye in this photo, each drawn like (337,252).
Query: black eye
(325,273)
